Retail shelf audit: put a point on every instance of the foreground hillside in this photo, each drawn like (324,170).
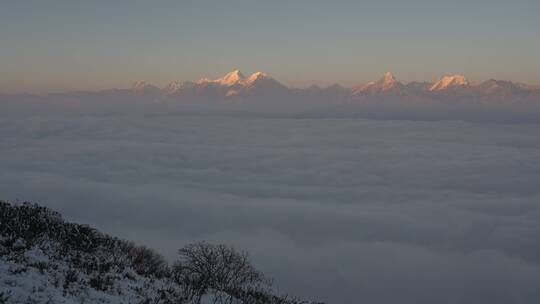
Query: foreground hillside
(44,259)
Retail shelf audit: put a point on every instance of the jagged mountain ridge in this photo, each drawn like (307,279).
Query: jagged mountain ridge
(451,98)
(235,85)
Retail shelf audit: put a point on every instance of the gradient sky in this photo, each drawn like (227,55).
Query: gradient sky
(49,46)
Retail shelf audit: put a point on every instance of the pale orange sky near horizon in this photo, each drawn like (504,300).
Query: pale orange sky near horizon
(100,45)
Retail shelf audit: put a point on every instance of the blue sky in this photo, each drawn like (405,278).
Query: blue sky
(69,45)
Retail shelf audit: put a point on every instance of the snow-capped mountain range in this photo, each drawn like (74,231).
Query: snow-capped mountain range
(229,86)
(452,97)
(236,85)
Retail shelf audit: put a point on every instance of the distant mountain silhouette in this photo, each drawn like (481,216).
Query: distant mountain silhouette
(451,97)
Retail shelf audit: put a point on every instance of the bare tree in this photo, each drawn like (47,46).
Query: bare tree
(219,270)
(147,261)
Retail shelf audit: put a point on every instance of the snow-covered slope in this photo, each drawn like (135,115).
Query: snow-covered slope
(388,82)
(44,259)
(232,78)
(236,78)
(40,274)
(450,81)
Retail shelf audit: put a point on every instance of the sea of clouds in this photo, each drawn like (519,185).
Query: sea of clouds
(338,210)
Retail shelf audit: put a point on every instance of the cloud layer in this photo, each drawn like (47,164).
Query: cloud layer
(341,210)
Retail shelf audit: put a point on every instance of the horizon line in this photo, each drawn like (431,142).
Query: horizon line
(208,79)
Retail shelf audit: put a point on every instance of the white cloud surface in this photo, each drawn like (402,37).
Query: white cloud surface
(340,210)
